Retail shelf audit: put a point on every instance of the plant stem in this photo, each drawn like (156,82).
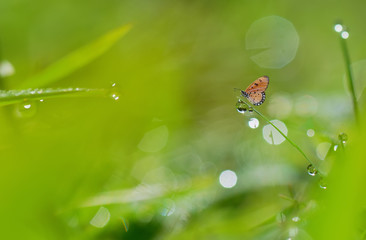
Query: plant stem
(1,59)
(350,77)
(288,139)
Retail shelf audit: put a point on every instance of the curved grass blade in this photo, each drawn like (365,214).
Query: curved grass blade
(284,135)
(13,96)
(75,60)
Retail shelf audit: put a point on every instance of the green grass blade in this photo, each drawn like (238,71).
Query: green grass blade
(76,59)
(350,78)
(284,135)
(290,141)
(13,96)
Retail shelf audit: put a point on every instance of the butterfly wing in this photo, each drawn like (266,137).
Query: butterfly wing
(256,98)
(255,91)
(259,85)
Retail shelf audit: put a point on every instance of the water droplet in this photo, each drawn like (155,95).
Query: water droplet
(322,183)
(26,109)
(115,95)
(250,109)
(228,179)
(338,28)
(312,170)
(296,219)
(253,123)
(115,91)
(41,100)
(310,132)
(241,107)
(335,147)
(345,35)
(343,137)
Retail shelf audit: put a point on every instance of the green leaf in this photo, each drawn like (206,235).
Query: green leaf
(76,59)
(13,96)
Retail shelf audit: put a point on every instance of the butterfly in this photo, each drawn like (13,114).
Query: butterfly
(255,92)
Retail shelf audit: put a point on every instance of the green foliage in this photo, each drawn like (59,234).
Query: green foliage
(75,60)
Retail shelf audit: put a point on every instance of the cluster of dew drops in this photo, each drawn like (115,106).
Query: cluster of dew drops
(242,107)
(28,108)
(342,137)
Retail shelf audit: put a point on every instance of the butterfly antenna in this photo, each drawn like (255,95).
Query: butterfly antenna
(237,89)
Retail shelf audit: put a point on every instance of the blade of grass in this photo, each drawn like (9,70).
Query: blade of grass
(75,60)
(14,96)
(351,86)
(288,139)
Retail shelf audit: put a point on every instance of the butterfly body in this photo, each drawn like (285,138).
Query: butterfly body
(255,92)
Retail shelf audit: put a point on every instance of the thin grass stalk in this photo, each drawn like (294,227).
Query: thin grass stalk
(350,76)
(287,138)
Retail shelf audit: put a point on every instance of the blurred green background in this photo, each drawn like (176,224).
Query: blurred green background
(148,165)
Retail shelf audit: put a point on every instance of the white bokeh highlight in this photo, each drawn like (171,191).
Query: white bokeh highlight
(101,218)
(310,132)
(154,140)
(338,28)
(271,135)
(6,69)
(345,35)
(228,179)
(253,123)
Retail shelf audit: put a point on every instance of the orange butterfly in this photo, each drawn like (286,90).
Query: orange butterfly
(255,92)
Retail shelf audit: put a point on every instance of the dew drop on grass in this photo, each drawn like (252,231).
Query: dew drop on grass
(241,107)
(312,170)
(296,219)
(114,93)
(335,147)
(250,109)
(343,137)
(115,96)
(344,34)
(338,28)
(322,183)
(25,109)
